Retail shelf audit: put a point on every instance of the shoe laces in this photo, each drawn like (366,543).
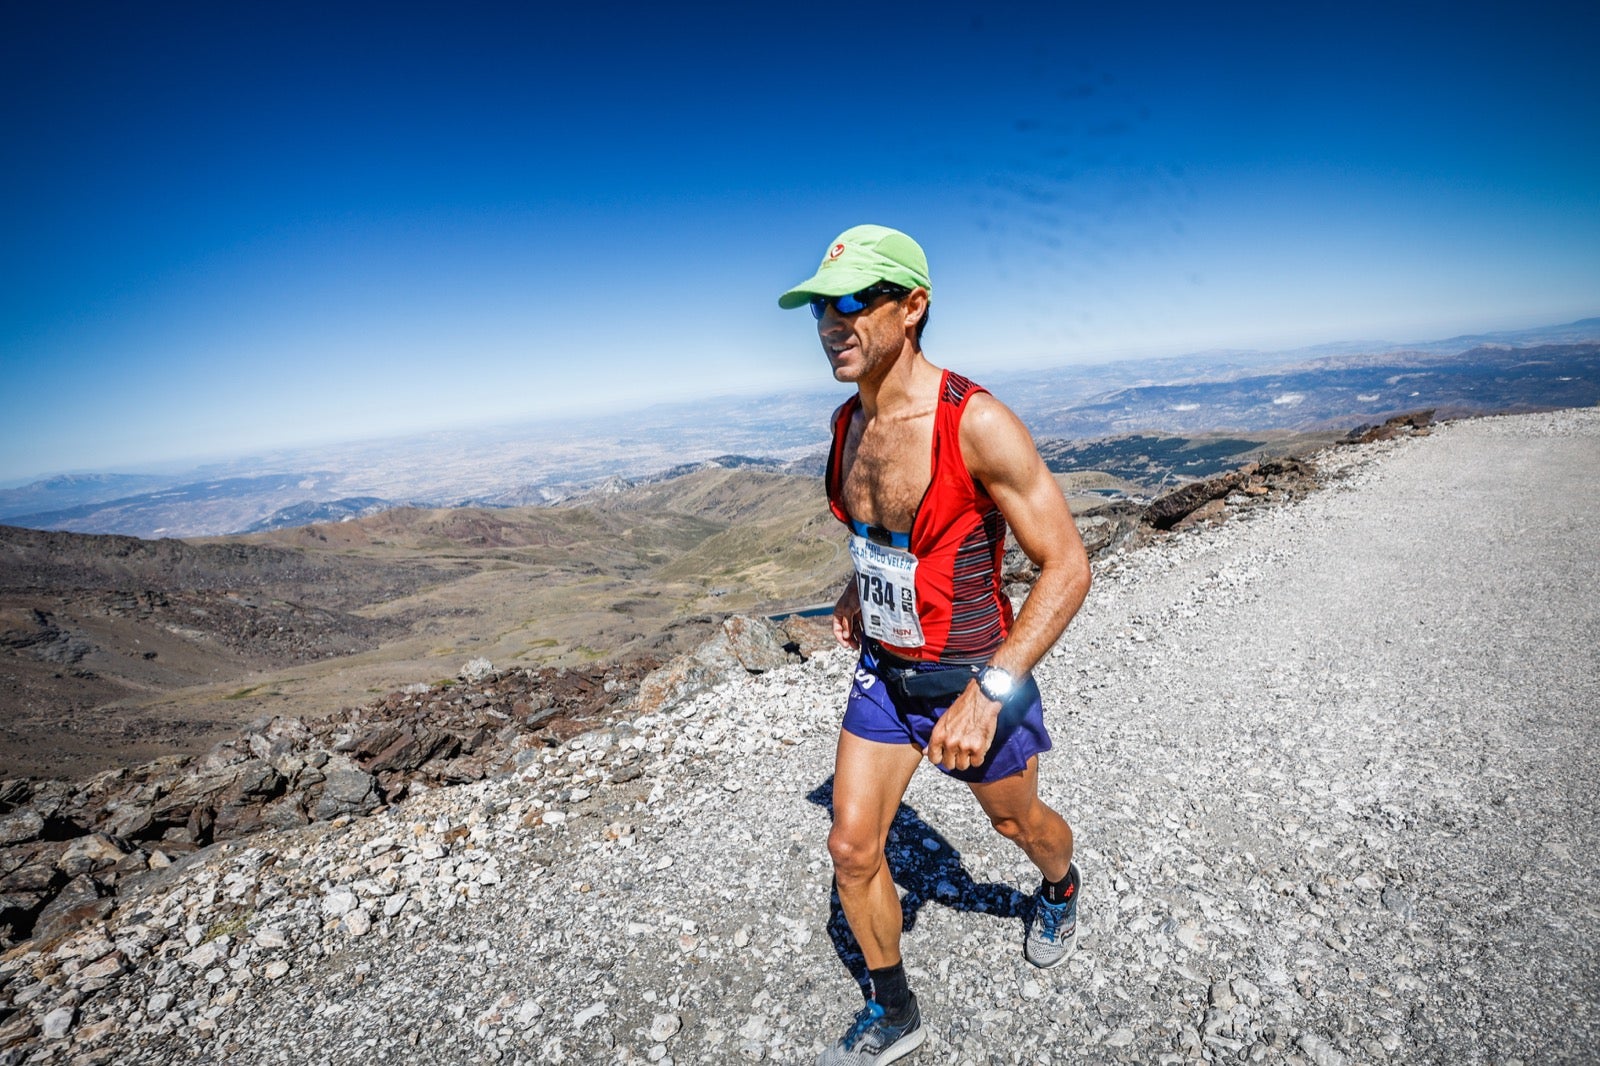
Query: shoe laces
(1051,916)
(866,1018)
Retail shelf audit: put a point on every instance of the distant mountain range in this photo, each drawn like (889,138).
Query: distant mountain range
(1326,388)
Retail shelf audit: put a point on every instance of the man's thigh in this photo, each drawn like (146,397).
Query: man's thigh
(869,779)
(1011,798)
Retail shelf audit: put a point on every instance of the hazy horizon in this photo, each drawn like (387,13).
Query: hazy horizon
(294,455)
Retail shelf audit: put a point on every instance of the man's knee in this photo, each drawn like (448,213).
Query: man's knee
(1012,828)
(856,856)
(1029,825)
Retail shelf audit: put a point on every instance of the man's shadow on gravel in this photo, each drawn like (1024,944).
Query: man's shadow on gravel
(927,868)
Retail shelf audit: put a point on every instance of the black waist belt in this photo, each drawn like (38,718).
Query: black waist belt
(937,681)
(929,681)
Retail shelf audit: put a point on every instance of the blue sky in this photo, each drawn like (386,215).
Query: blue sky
(238,226)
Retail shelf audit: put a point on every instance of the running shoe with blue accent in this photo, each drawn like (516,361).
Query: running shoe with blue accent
(872,1039)
(1052,928)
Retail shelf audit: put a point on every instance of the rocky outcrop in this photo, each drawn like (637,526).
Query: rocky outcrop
(67,850)
(1272,480)
(36,634)
(1410,424)
(744,646)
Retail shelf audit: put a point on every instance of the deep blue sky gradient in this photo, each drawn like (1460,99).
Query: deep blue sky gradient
(238,226)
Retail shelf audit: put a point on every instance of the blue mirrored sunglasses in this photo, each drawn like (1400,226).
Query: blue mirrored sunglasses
(855,302)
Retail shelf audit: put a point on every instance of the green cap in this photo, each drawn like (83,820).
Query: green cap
(859,257)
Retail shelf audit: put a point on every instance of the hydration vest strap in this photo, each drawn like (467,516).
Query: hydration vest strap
(878,535)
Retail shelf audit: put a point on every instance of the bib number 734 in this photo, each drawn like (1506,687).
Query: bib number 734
(886,578)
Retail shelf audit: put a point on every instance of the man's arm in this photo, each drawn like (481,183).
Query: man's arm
(847,615)
(1001,455)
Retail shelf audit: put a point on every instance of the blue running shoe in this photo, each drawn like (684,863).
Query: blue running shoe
(872,1039)
(1052,928)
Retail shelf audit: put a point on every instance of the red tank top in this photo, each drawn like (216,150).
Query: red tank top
(958,537)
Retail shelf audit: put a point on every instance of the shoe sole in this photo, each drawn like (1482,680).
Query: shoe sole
(1057,961)
(904,1046)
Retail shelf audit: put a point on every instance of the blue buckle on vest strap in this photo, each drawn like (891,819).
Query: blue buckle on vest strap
(878,535)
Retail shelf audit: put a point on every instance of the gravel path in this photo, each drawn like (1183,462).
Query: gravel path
(1333,768)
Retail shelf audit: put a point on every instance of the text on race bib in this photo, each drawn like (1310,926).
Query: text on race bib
(886,579)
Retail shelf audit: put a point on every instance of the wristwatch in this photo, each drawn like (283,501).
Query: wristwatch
(999,685)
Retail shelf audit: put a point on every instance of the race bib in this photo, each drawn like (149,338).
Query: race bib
(886,578)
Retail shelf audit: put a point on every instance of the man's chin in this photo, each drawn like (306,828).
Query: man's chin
(845,374)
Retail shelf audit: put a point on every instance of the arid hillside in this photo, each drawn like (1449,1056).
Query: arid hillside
(115,650)
(116,646)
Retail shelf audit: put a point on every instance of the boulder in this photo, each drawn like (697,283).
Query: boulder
(688,675)
(78,902)
(808,636)
(90,855)
(347,790)
(26,868)
(1412,423)
(285,813)
(19,827)
(411,748)
(756,643)
(1168,510)
(51,799)
(1105,528)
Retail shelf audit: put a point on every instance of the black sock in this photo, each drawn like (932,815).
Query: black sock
(1057,892)
(890,991)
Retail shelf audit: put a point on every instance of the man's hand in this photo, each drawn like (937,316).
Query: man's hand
(847,616)
(962,735)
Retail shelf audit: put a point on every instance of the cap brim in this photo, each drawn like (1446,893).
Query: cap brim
(831,282)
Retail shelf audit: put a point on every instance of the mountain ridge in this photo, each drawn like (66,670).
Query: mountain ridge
(542,464)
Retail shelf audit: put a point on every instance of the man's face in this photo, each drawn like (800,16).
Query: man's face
(862,346)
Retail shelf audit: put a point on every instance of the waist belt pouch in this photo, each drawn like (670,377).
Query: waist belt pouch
(935,684)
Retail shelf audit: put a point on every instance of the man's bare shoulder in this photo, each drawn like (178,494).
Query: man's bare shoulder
(991,434)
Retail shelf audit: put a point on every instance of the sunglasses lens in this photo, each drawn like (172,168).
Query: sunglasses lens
(849,304)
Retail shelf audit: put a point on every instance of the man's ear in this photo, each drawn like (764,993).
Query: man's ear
(916,305)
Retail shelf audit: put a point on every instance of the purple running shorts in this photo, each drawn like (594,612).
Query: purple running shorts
(876,713)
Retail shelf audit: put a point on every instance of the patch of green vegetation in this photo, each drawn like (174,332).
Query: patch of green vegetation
(244,692)
(1147,459)
(227,927)
(546,642)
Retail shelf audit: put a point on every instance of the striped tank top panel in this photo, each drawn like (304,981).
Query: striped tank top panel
(957,535)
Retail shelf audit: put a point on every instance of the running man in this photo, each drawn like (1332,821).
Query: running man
(927,469)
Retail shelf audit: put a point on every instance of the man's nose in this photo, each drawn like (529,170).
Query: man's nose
(831,321)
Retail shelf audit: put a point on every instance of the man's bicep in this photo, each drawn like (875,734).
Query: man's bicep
(1004,458)
(1042,521)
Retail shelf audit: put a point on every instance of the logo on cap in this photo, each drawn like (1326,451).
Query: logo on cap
(836,251)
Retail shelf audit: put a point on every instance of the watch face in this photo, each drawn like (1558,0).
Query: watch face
(996,683)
